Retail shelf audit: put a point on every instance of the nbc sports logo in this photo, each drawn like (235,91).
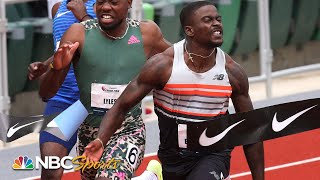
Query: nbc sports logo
(49,162)
(23,163)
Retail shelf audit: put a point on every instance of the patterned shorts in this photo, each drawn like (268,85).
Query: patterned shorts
(123,153)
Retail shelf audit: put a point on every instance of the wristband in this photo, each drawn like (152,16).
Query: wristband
(84,17)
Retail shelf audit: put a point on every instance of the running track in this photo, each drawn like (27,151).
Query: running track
(292,157)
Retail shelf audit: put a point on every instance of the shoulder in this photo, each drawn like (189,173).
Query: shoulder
(158,68)
(55,8)
(77,26)
(76,30)
(148,25)
(150,29)
(153,40)
(237,75)
(232,66)
(161,60)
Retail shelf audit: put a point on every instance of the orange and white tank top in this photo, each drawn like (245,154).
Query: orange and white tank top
(192,96)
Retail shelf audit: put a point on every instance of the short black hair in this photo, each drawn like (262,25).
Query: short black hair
(189,9)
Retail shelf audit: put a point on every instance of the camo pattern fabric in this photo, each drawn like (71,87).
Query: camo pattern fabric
(93,23)
(123,153)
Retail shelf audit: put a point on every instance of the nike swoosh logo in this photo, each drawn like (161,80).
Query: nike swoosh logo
(279,126)
(14,129)
(204,140)
(63,13)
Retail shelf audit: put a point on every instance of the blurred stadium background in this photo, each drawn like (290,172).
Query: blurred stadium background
(294,36)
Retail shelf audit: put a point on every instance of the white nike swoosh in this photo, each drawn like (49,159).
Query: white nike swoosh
(206,141)
(279,126)
(13,130)
(63,13)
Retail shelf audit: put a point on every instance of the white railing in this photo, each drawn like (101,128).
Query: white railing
(4,96)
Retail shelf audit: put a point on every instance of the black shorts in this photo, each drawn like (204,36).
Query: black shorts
(203,167)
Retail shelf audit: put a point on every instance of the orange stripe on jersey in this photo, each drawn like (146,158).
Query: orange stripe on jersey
(197,92)
(187,113)
(204,86)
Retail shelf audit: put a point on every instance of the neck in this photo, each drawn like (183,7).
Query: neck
(198,50)
(200,59)
(118,32)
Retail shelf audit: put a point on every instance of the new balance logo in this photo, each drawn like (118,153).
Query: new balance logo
(133,40)
(218,77)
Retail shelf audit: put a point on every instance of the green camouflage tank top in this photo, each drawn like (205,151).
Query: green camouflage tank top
(106,66)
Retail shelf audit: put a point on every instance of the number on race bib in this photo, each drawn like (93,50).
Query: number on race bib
(132,155)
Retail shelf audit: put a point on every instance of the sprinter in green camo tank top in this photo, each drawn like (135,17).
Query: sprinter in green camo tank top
(112,65)
(107,54)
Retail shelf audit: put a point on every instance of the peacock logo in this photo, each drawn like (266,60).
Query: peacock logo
(23,163)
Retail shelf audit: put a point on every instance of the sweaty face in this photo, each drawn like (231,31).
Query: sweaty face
(207,26)
(111,13)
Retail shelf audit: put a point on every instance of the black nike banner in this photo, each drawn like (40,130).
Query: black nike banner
(16,127)
(250,127)
(62,125)
(217,134)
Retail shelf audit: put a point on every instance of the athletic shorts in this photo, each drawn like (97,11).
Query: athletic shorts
(193,167)
(54,107)
(123,153)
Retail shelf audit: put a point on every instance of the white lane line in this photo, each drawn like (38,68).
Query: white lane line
(151,154)
(279,166)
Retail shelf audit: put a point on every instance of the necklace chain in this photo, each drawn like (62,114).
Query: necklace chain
(113,37)
(194,54)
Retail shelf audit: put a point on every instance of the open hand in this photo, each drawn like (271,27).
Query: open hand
(93,151)
(63,56)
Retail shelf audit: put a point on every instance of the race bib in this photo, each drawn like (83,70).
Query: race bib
(182,135)
(104,96)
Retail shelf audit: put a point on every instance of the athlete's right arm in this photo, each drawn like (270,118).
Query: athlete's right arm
(154,75)
(69,49)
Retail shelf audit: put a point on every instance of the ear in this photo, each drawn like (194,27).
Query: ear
(189,31)
(130,4)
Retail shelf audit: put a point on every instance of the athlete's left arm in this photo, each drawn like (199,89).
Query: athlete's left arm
(153,40)
(242,103)
(153,75)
